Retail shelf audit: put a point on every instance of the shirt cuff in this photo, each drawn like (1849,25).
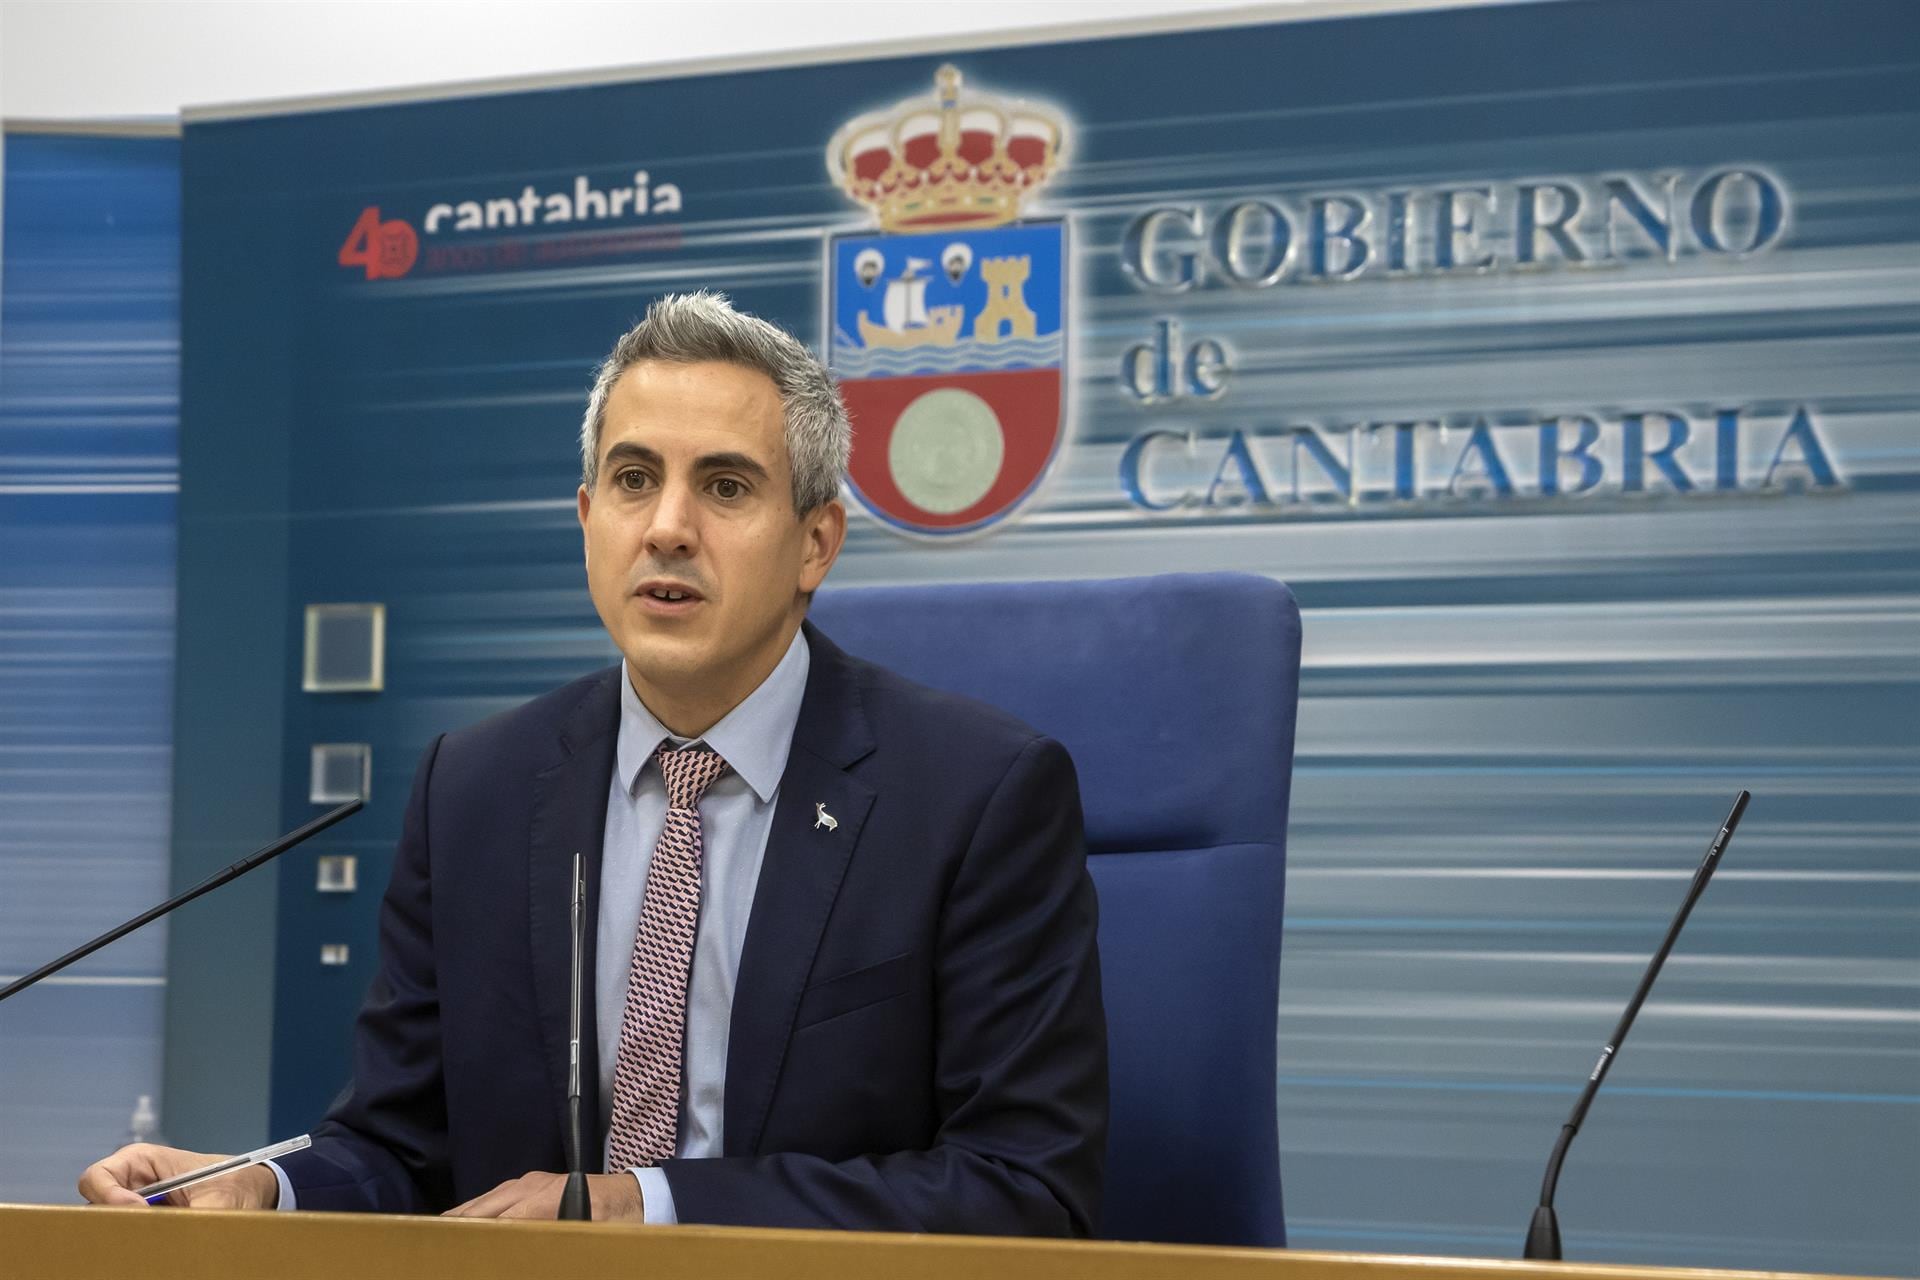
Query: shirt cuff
(287,1199)
(656,1198)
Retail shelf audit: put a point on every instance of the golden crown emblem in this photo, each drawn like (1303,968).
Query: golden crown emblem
(957,159)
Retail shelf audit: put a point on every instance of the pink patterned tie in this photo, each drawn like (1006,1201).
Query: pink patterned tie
(646,1072)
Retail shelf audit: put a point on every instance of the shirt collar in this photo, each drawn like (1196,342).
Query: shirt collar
(753,738)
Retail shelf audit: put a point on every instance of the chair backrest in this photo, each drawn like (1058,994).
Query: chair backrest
(1176,697)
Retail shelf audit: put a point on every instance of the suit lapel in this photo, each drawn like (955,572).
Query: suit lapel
(800,876)
(569,816)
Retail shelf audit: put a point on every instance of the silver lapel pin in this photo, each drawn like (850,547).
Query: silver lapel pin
(821,818)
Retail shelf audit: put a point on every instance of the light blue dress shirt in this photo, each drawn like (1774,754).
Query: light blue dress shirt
(736,816)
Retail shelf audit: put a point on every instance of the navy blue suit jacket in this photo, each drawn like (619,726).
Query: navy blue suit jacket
(917,1039)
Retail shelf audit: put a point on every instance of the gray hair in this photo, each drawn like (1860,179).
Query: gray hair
(692,328)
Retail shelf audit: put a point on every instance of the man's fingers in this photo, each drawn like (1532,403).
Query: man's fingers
(489,1205)
(97,1186)
(99,1180)
(110,1181)
(480,1206)
(541,1201)
(522,1197)
(113,1180)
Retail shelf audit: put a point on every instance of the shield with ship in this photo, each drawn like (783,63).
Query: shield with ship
(947,326)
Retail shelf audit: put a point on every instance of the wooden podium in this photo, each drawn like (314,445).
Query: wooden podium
(185,1244)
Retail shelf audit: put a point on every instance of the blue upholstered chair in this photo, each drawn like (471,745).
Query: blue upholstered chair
(1176,696)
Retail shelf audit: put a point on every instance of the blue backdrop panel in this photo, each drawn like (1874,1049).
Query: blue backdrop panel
(89,405)
(1561,356)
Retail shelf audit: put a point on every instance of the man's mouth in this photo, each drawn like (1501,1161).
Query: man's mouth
(667,598)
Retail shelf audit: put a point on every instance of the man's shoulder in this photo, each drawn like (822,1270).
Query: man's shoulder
(909,716)
(947,761)
(570,717)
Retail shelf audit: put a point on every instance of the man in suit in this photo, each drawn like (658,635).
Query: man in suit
(844,971)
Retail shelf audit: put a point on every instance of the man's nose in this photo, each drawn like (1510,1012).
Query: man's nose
(674,529)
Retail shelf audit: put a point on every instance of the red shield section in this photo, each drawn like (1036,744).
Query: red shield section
(1027,404)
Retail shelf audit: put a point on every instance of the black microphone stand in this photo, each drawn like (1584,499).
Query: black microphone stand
(212,882)
(1543,1233)
(575,1203)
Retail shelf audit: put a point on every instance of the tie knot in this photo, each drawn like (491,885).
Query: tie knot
(689,772)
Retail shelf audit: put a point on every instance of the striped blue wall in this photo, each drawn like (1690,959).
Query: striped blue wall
(1518,728)
(89,453)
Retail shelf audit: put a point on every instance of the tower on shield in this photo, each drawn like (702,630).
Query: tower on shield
(947,325)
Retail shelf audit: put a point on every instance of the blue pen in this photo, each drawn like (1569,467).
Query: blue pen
(155,1192)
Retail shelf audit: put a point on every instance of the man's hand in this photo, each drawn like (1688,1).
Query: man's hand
(112,1180)
(615,1197)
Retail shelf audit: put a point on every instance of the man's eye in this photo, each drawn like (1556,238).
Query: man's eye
(631,480)
(727,487)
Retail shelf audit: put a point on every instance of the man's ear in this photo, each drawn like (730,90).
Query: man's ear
(585,503)
(826,533)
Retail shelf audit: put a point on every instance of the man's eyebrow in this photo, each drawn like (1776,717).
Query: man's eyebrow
(729,462)
(626,451)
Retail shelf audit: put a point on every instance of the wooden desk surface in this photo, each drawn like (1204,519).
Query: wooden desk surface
(180,1244)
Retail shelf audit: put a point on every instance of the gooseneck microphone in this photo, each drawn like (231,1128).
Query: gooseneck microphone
(575,1204)
(258,857)
(1543,1233)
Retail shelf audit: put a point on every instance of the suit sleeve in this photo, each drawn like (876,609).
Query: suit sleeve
(1020,1061)
(382,1146)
